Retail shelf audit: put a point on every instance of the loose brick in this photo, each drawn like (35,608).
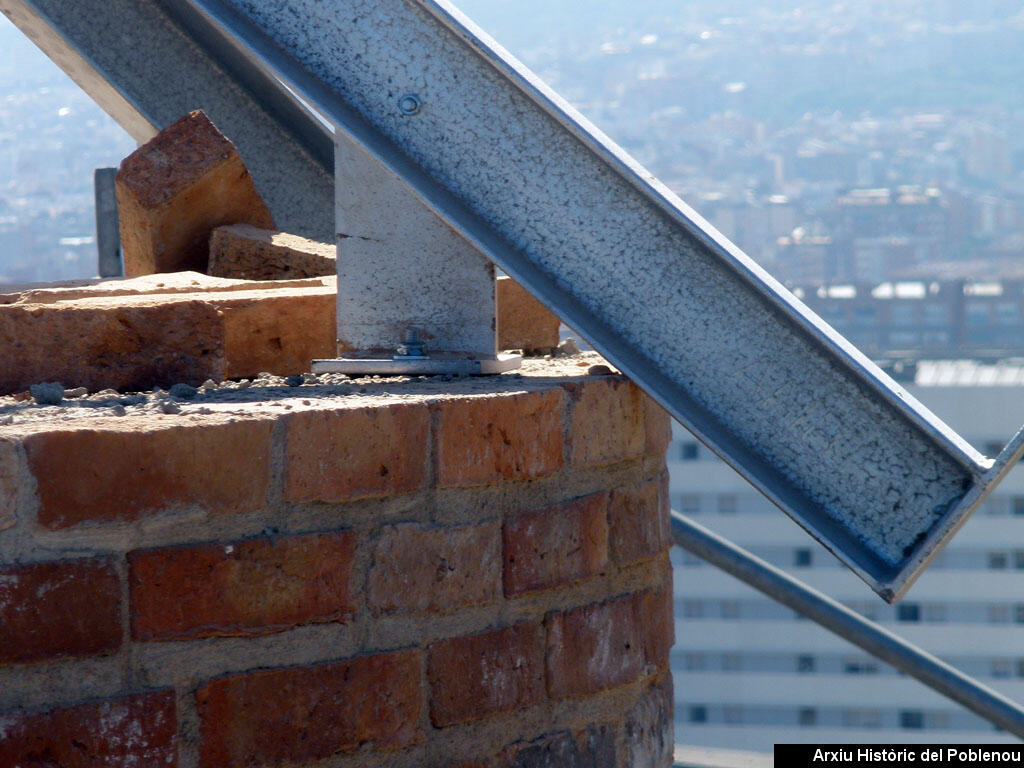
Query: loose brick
(556,545)
(649,737)
(593,648)
(8,485)
(607,423)
(136,730)
(486,440)
(89,475)
(279,331)
(245,252)
(523,322)
(175,189)
(638,522)
(418,569)
(356,452)
(309,713)
(658,428)
(128,343)
(592,748)
(58,609)
(482,675)
(243,588)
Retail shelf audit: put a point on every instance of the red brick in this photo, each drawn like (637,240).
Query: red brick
(654,616)
(58,609)
(356,453)
(523,322)
(482,675)
(175,189)
(590,748)
(91,475)
(8,484)
(607,423)
(419,569)
(489,439)
(658,428)
(132,343)
(302,714)
(243,588)
(556,545)
(278,330)
(593,648)
(245,252)
(638,522)
(136,730)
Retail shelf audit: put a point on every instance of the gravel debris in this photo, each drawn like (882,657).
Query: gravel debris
(76,392)
(47,393)
(169,406)
(295,381)
(184,391)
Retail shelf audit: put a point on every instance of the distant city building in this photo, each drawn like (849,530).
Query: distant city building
(750,673)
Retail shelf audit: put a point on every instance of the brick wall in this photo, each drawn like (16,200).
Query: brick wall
(403,575)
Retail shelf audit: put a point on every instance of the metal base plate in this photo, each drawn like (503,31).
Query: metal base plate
(422,366)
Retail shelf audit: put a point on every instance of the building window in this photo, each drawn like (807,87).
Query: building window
(804,663)
(689,504)
(1020,667)
(693,609)
(727,504)
(999,613)
(1017,505)
(935,612)
(695,661)
(802,557)
(698,714)
(908,612)
(688,451)
(862,718)
(997,561)
(733,715)
(807,716)
(912,719)
(730,609)
(730,662)
(1001,668)
(1018,559)
(860,667)
(1018,613)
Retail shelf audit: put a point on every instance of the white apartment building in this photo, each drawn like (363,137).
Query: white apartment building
(750,673)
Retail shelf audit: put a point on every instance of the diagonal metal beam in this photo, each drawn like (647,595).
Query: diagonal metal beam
(148,63)
(737,359)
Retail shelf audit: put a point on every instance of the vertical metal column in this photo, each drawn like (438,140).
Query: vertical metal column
(108,231)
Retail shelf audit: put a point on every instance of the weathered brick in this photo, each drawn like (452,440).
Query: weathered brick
(8,485)
(94,475)
(593,648)
(242,588)
(138,730)
(245,252)
(658,428)
(58,609)
(649,737)
(482,675)
(356,452)
(654,616)
(638,522)
(607,422)
(175,189)
(556,545)
(128,343)
(591,748)
(511,437)
(302,714)
(523,322)
(279,330)
(419,569)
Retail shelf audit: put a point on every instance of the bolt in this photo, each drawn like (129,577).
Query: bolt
(409,104)
(412,345)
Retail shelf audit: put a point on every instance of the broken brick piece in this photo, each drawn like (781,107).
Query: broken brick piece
(175,189)
(245,252)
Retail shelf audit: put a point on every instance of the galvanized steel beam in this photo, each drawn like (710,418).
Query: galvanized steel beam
(737,359)
(147,63)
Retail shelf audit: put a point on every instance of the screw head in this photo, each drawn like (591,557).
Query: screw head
(409,104)
(412,345)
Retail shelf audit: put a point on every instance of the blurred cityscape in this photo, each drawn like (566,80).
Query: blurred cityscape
(52,136)
(870,156)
